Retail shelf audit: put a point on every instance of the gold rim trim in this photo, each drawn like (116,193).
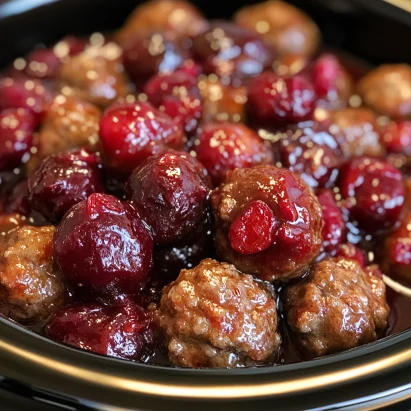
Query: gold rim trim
(402,4)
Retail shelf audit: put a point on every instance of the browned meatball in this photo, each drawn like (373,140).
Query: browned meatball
(222,102)
(268,222)
(387,90)
(176,17)
(357,131)
(283,26)
(30,285)
(96,75)
(70,123)
(214,316)
(337,307)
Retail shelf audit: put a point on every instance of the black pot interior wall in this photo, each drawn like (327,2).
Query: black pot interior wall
(354,25)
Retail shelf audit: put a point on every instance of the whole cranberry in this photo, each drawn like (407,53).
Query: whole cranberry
(396,137)
(129,133)
(170,196)
(24,93)
(374,192)
(16,136)
(274,100)
(178,96)
(310,150)
(64,180)
(334,225)
(18,199)
(332,83)
(42,64)
(122,331)
(222,147)
(144,57)
(102,245)
(349,250)
(231,52)
(268,222)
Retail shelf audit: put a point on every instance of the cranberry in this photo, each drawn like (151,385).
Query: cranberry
(191,68)
(143,57)
(178,96)
(23,93)
(275,100)
(334,225)
(241,206)
(123,331)
(221,147)
(69,46)
(374,192)
(64,180)
(16,136)
(254,229)
(42,63)
(129,133)
(170,195)
(310,150)
(230,51)
(396,137)
(332,83)
(169,261)
(349,250)
(102,245)
(18,200)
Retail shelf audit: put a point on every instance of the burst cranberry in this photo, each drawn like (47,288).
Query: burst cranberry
(254,229)
(42,63)
(291,234)
(170,195)
(396,137)
(334,224)
(102,245)
(222,147)
(374,192)
(129,133)
(275,100)
(310,150)
(332,83)
(16,136)
(349,250)
(178,96)
(23,93)
(230,51)
(143,57)
(124,331)
(64,180)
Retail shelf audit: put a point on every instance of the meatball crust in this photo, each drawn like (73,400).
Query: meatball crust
(337,307)
(285,248)
(214,316)
(31,288)
(387,90)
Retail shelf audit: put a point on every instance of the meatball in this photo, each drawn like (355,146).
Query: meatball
(284,27)
(357,132)
(125,331)
(70,123)
(31,288)
(231,52)
(16,136)
(387,90)
(268,222)
(62,181)
(214,316)
(224,146)
(337,307)
(103,246)
(170,195)
(178,18)
(96,75)
(222,102)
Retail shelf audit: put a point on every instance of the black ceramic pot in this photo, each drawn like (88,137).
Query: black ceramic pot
(47,373)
